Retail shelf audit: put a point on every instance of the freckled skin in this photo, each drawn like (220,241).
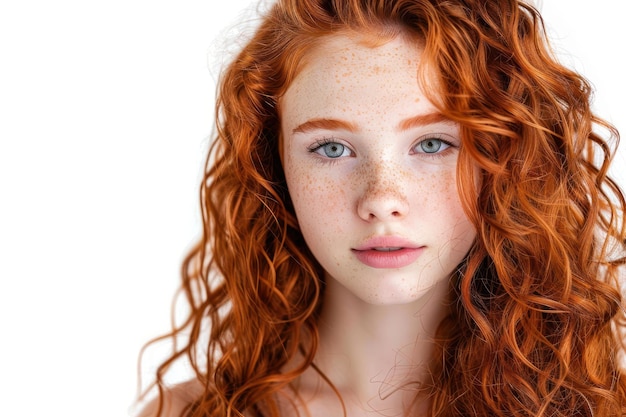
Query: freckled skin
(383,184)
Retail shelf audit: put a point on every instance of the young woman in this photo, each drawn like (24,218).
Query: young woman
(406,213)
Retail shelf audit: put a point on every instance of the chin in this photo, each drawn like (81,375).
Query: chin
(403,296)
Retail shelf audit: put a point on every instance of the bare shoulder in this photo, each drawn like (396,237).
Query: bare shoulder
(175,399)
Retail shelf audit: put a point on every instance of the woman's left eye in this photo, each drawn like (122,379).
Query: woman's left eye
(431,146)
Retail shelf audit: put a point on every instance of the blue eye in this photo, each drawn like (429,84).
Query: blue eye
(431,145)
(331,150)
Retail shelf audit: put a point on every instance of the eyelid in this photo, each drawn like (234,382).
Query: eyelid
(319,143)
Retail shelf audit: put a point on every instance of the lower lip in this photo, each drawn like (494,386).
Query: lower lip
(389,260)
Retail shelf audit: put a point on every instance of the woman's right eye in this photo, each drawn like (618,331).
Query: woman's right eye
(331,150)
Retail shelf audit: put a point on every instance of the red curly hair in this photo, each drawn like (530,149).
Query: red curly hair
(533,331)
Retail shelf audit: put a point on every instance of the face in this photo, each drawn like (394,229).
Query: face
(371,169)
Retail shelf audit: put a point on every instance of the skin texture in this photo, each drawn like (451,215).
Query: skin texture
(358,170)
(384,183)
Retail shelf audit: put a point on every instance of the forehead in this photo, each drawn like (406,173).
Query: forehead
(341,58)
(344,76)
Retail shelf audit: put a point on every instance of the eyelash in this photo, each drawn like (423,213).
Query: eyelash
(321,142)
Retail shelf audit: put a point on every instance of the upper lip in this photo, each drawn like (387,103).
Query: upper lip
(378,242)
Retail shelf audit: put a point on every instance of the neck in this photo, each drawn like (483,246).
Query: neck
(377,356)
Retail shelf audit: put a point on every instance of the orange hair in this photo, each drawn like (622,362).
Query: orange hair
(533,329)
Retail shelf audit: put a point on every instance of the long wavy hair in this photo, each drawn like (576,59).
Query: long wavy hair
(534,327)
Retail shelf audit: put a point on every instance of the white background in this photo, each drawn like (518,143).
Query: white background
(105,114)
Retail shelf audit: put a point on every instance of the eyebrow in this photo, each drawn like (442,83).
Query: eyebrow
(423,119)
(328,124)
(335,124)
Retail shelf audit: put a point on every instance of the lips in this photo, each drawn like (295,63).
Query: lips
(387,252)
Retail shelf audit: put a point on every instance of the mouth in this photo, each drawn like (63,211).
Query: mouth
(386,244)
(388,252)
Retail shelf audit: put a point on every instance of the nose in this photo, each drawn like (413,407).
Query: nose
(383,198)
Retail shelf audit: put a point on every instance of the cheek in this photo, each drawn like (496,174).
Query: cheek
(453,219)
(320,201)
(438,200)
